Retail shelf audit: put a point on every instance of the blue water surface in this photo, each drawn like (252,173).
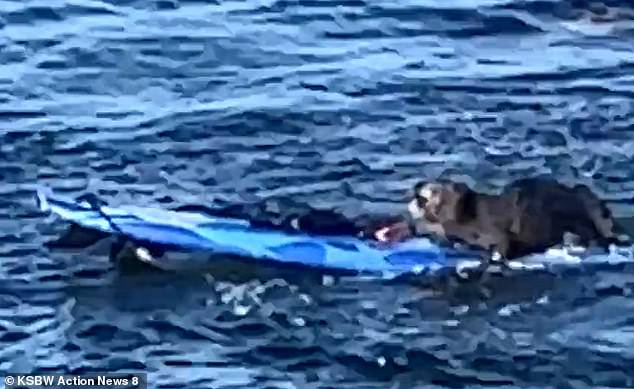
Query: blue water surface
(333,104)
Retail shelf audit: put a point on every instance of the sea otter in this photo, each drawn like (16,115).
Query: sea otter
(527,217)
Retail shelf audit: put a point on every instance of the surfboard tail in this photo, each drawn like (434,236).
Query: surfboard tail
(41,201)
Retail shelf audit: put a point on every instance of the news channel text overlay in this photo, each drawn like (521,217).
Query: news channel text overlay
(76,381)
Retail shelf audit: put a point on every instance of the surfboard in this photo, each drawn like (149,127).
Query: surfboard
(237,237)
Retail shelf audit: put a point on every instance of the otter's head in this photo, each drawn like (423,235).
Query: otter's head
(438,202)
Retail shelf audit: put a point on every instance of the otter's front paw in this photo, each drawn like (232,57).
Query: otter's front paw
(393,233)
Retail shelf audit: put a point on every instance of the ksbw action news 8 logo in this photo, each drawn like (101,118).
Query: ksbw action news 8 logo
(75,381)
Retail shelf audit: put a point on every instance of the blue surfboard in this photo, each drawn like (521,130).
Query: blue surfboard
(217,235)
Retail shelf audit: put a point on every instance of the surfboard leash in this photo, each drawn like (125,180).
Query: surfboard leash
(96,204)
(142,252)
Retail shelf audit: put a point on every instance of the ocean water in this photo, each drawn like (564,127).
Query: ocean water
(334,104)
